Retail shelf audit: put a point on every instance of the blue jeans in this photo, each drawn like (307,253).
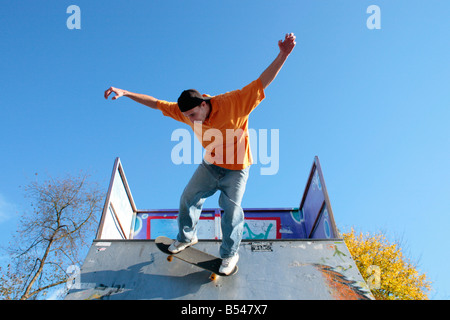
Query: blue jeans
(207,179)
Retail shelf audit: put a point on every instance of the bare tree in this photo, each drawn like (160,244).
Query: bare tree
(49,238)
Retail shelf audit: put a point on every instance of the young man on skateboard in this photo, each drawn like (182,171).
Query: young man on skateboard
(221,125)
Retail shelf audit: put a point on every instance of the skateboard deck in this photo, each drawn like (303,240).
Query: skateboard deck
(193,256)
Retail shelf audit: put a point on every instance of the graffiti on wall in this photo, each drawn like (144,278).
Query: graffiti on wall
(261,229)
(342,288)
(149,226)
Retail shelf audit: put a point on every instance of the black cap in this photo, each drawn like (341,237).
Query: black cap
(190,99)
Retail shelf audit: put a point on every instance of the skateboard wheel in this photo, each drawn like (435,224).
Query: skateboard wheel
(213,276)
(169,258)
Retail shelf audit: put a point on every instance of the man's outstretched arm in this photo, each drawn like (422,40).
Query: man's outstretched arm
(144,99)
(286,48)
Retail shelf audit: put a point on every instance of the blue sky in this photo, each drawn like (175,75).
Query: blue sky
(372,104)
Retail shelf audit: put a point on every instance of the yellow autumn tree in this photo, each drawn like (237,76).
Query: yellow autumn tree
(389,274)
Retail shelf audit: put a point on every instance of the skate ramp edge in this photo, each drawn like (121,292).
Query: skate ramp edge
(268,270)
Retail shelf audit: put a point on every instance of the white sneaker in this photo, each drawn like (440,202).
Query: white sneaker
(228,264)
(178,246)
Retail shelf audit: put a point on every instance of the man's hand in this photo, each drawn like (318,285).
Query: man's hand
(144,99)
(119,93)
(271,72)
(287,45)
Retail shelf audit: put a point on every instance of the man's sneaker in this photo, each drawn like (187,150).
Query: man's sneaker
(178,246)
(228,264)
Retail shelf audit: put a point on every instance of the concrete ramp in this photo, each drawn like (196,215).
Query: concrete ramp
(275,269)
(287,253)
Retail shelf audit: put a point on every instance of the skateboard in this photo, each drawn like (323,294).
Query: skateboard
(195,257)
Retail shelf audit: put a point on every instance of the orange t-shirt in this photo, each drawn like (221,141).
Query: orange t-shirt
(224,135)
